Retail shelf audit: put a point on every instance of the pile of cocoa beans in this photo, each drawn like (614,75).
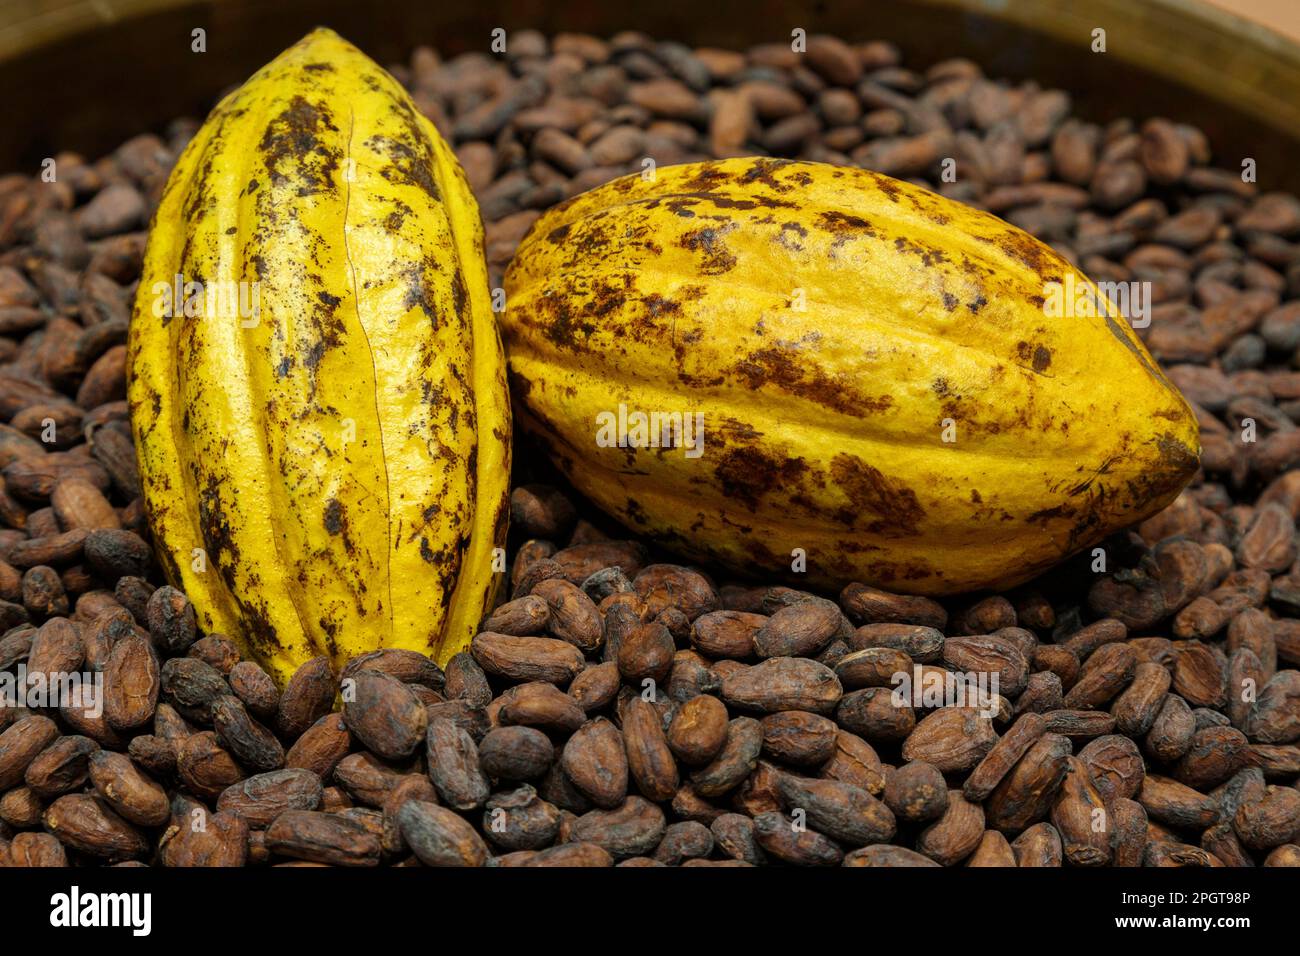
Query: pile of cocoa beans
(617,707)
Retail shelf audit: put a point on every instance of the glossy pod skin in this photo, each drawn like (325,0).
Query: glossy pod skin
(880,380)
(330,475)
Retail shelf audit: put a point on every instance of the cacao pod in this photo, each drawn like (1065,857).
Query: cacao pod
(325,467)
(873,368)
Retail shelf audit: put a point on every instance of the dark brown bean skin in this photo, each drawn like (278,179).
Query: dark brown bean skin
(465,680)
(321,746)
(855,762)
(955,834)
(61,767)
(385,715)
(36,850)
(439,837)
(922,644)
(192,686)
(131,684)
(698,730)
(1269,821)
(527,658)
(221,841)
(872,667)
(951,738)
(733,834)
(916,792)
(691,676)
(1136,708)
(221,654)
(646,653)
(758,793)
(800,630)
(1215,755)
(412,786)
(578,853)
(322,838)
(1038,846)
(989,654)
(1222,842)
(307,697)
(684,841)
(670,585)
(132,794)
(783,838)
(1025,794)
(1002,756)
(20,744)
(1171,733)
(526,615)
(1075,814)
(252,744)
(205,766)
(1288,855)
(454,767)
(1199,677)
(867,605)
(1060,661)
(1115,765)
(21,808)
(649,755)
(85,823)
(1104,674)
(783,683)
(734,762)
(1130,825)
(515,753)
(572,616)
(872,713)
(366,779)
(886,855)
(596,686)
(799,738)
(993,851)
(520,820)
(56,649)
(539,705)
(261,798)
(255,688)
(595,759)
(726,633)
(1171,854)
(170,618)
(841,811)
(153,754)
(634,828)
(1168,801)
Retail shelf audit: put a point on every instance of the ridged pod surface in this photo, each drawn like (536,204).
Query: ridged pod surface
(834,327)
(329,476)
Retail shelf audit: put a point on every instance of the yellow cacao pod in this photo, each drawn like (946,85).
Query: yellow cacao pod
(316,383)
(880,386)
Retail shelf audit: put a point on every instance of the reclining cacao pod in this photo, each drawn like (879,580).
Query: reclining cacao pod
(879,380)
(325,473)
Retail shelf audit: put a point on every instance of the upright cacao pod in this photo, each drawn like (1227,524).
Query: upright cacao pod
(879,381)
(330,474)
